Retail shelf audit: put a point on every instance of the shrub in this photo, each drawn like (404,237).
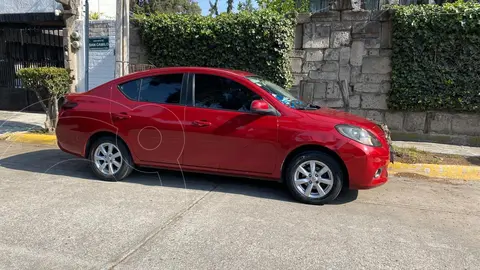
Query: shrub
(436,57)
(49,84)
(258,42)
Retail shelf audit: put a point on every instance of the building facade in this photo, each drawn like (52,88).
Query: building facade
(31,35)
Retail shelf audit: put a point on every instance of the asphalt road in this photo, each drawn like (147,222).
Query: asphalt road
(55,215)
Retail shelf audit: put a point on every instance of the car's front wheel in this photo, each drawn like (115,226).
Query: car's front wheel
(110,159)
(314,177)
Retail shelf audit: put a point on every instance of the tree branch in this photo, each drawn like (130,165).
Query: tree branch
(40,100)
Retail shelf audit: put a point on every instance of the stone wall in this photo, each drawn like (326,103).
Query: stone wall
(138,54)
(355,46)
(352,46)
(434,122)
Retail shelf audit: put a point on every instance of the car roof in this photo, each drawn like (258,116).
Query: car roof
(195,69)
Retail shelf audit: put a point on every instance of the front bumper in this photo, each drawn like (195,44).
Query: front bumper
(367,166)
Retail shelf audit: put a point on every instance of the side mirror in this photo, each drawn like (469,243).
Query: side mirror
(261,107)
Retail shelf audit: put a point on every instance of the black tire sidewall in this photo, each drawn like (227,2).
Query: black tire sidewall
(327,160)
(126,167)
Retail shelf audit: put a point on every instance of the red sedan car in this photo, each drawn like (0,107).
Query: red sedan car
(222,122)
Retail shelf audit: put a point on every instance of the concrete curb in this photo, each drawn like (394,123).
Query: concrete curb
(33,138)
(471,173)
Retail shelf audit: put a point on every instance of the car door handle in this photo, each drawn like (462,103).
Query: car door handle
(120,116)
(201,123)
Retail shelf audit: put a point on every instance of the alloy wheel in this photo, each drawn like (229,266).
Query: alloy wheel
(108,158)
(313,179)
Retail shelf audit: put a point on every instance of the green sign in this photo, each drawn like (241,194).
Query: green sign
(98,43)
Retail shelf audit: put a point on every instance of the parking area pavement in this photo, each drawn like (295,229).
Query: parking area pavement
(55,214)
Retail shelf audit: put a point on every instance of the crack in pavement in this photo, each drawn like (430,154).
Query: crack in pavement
(123,257)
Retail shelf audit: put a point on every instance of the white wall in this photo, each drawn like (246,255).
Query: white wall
(107,8)
(102,62)
(101,66)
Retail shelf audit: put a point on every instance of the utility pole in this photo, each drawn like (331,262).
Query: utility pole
(126,36)
(118,40)
(86,31)
(122,34)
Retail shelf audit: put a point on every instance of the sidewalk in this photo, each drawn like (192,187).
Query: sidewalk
(20,121)
(439,148)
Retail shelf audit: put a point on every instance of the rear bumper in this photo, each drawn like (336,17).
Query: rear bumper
(70,140)
(367,166)
(59,144)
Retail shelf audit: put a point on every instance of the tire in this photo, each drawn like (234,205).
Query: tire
(120,172)
(330,182)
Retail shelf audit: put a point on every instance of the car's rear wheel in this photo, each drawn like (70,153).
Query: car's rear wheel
(110,159)
(314,177)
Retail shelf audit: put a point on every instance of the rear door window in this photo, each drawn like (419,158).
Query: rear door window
(161,89)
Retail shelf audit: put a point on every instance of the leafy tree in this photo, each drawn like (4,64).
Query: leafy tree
(245,6)
(213,8)
(229,6)
(165,6)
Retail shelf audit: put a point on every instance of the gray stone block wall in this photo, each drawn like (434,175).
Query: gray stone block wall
(434,122)
(344,45)
(356,46)
(138,54)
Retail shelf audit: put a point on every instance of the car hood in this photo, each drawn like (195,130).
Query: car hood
(339,117)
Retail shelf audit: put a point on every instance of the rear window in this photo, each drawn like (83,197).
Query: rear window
(130,89)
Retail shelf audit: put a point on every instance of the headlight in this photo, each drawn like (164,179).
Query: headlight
(358,134)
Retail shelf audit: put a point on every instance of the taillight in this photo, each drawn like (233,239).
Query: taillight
(67,104)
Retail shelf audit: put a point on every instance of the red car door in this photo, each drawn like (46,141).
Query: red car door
(151,120)
(220,131)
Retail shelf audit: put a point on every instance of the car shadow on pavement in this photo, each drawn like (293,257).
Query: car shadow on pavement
(55,162)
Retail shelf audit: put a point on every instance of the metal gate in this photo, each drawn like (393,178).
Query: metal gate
(26,47)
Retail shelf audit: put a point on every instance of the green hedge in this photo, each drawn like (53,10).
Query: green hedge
(258,42)
(436,57)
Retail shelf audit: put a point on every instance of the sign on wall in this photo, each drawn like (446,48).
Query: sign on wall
(98,43)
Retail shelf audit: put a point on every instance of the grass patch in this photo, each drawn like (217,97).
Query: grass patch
(412,155)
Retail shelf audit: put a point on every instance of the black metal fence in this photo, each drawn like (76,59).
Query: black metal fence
(26,47)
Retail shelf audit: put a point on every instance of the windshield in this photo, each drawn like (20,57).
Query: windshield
(278,92)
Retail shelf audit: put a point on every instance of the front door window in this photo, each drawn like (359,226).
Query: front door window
(216,92)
